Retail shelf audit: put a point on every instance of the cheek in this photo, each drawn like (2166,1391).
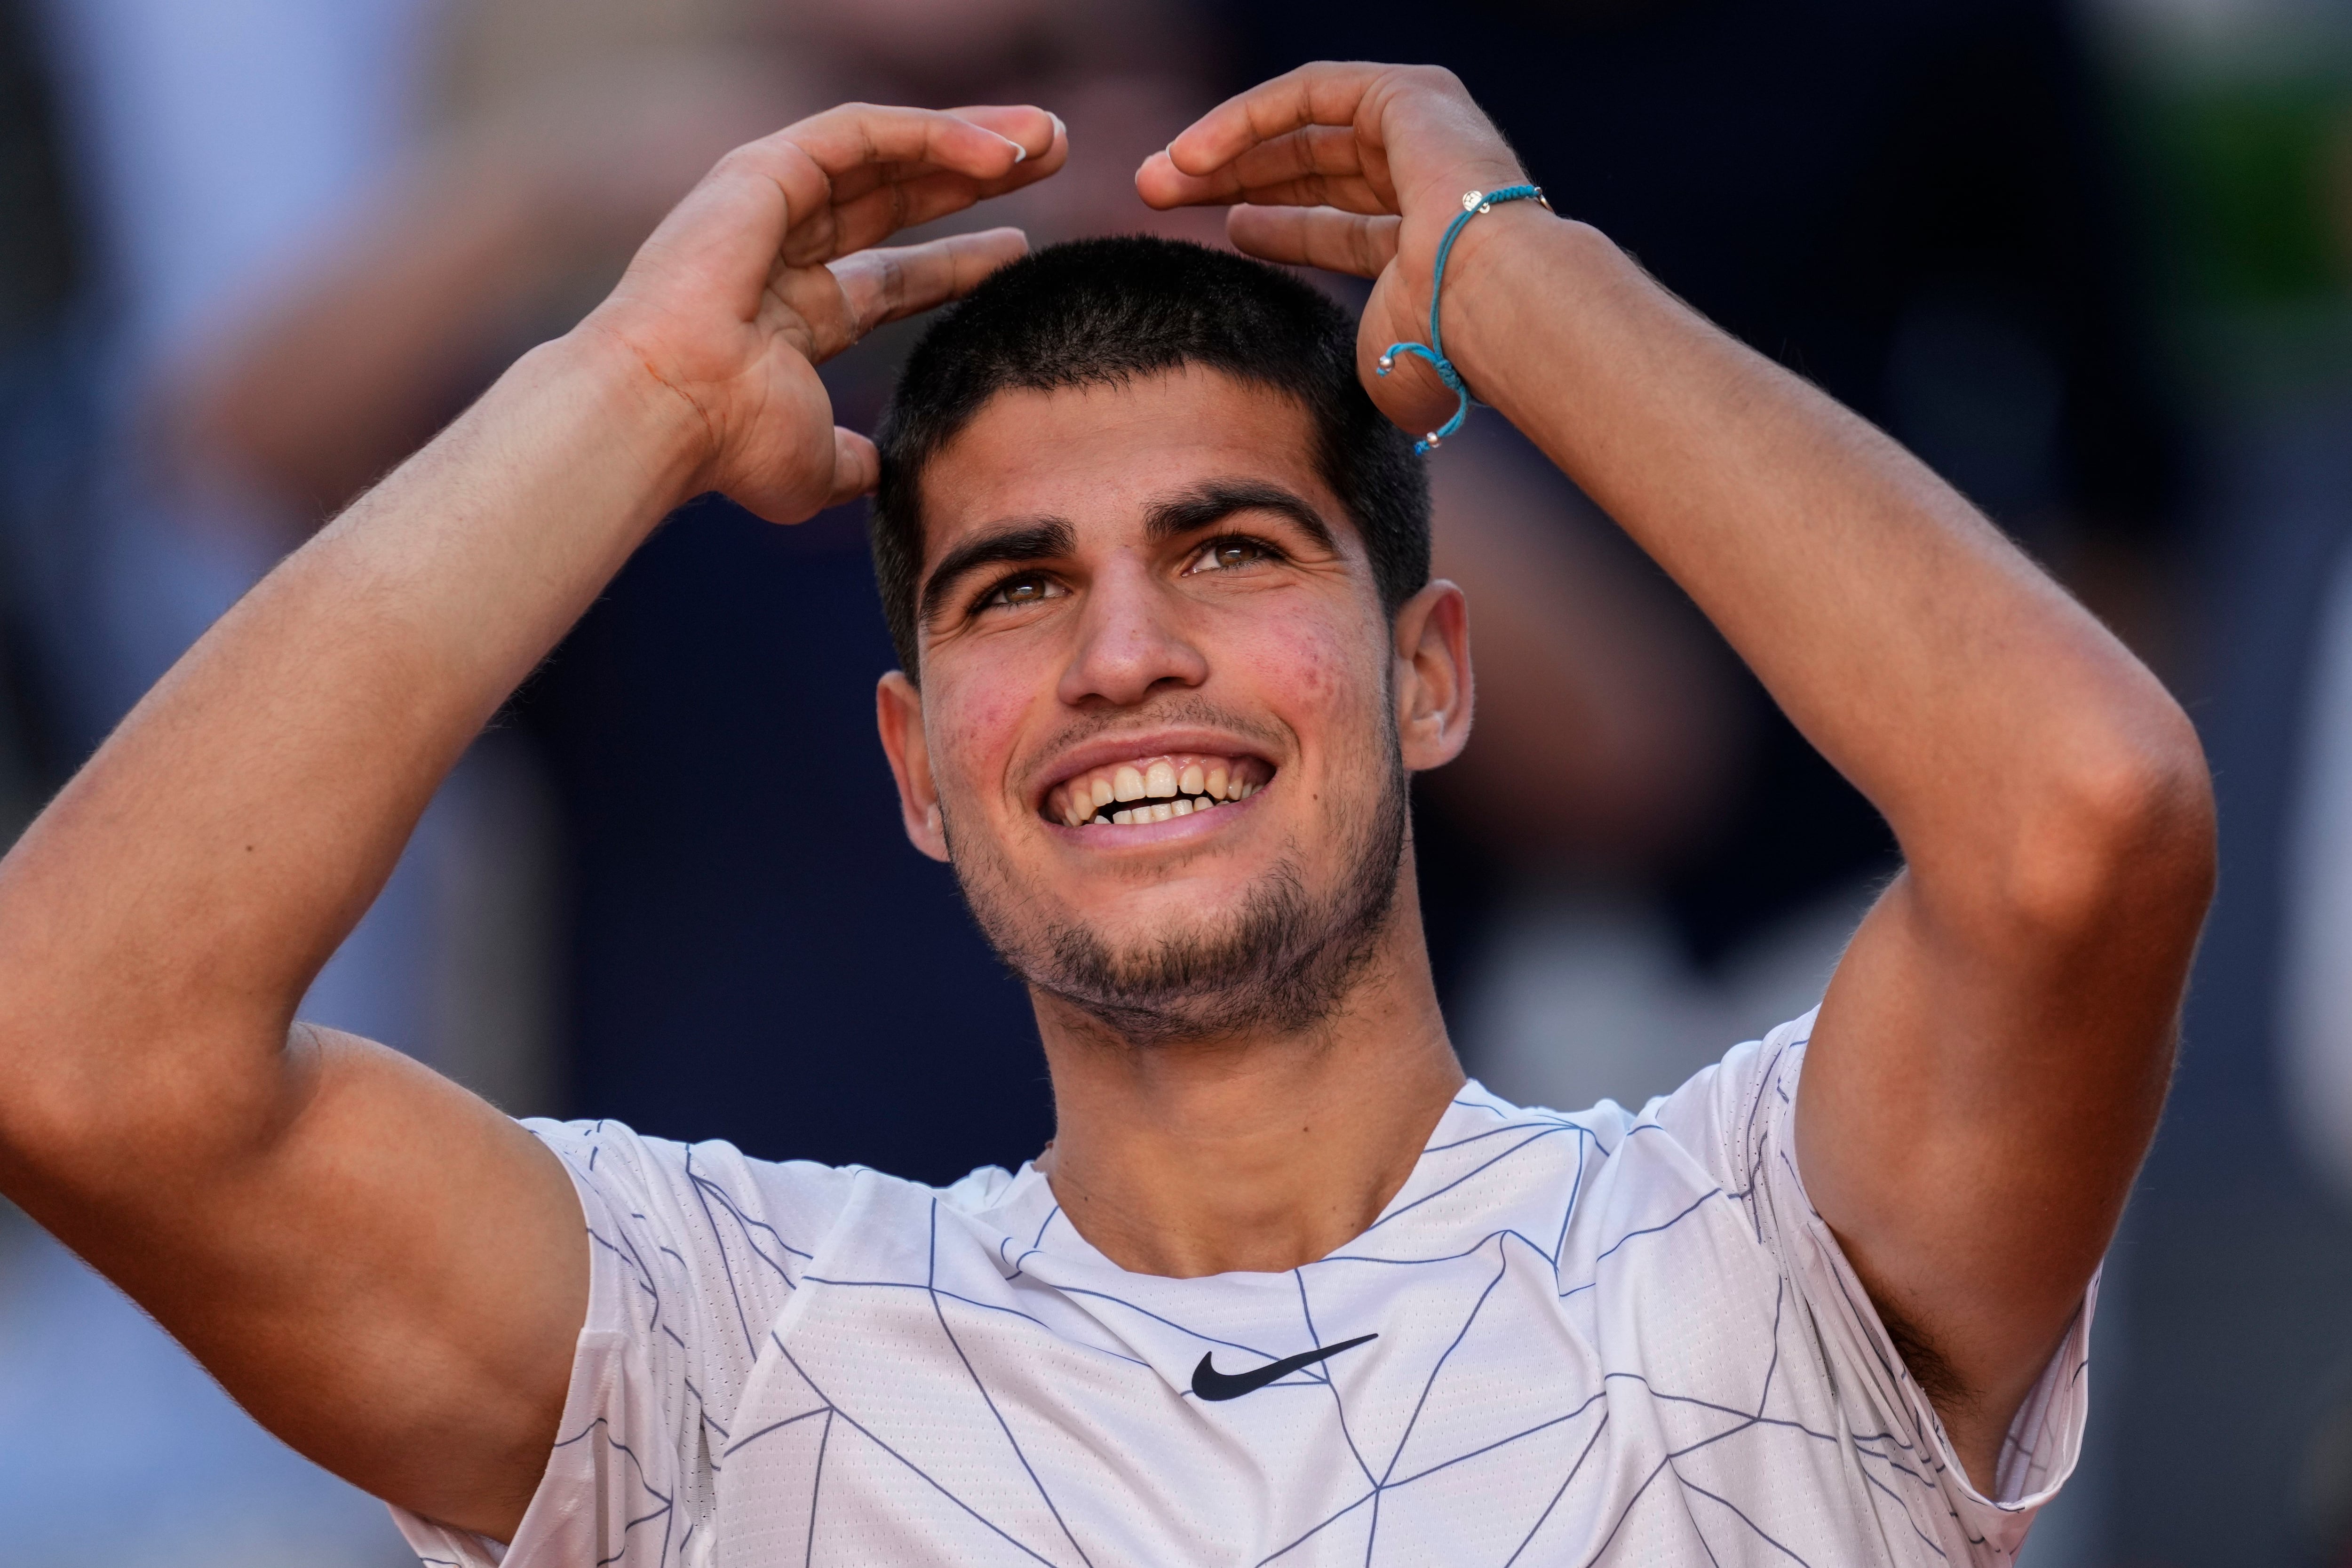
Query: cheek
(1314,671)
(976,718)
(1316,664)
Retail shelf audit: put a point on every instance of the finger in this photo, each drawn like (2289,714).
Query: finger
(1355,195)
(874,201)
(1315,236)
(878,286)
(1313,149)
(856,135)
(857,466)
(1051,151)
(844,148)
(1038,129)
(1327,151)
(1292,170)
(1324,93)
(875,216)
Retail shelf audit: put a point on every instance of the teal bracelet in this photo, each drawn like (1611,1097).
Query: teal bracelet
(1473,204)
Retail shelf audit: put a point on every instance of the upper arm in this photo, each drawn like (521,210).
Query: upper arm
(1987,1068)
(392,1280)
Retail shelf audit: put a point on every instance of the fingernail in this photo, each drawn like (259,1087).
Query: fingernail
(1020,153)
(1060,129)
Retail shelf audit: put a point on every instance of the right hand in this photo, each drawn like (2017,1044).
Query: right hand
(763,272)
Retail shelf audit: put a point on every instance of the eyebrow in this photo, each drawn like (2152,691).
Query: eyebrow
(1218,500)
(1042,539)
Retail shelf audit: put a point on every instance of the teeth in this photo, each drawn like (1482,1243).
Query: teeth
(1158,789)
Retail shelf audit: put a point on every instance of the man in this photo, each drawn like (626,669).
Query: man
(1284,1285)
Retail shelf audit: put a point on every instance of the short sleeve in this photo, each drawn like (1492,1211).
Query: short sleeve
(1748,1105)
(694,1251)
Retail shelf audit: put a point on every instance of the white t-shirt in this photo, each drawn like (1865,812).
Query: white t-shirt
(1601,1339)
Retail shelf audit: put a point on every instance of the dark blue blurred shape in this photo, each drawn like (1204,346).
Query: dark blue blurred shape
(757,952)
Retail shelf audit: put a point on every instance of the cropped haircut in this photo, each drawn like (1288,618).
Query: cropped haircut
(1101,313)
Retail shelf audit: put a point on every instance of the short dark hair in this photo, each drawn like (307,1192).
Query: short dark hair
(1103,312)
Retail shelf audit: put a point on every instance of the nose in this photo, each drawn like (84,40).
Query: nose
(1131,643)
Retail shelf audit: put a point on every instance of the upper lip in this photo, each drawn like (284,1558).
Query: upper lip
(1111,748)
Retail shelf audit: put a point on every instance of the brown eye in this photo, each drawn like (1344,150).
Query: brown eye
(1019,592)
(1227,554)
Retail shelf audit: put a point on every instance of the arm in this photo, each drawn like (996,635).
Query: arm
(384,1271)
(1992,1057)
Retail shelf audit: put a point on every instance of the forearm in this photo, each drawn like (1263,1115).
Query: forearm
(162,920)
(1949,678)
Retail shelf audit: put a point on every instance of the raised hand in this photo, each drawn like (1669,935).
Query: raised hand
(764,271)
(1355,168)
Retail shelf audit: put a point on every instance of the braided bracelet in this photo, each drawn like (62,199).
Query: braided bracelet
(1473,204)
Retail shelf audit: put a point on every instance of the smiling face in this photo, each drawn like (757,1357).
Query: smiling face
(1165,722)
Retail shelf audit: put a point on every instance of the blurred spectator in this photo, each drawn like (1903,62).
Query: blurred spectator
(213,147)
(206,143)
(1915,207)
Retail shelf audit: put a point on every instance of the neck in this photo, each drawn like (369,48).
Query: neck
(1250,1151)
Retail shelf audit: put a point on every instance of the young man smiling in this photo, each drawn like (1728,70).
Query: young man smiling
(1283,1286)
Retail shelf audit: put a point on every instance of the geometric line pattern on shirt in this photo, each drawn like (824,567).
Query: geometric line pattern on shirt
(1903,1466)
(1740,1423)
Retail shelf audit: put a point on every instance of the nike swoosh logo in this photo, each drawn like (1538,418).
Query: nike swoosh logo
(1208,1383)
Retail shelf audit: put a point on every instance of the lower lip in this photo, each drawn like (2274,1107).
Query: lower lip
(1114,834)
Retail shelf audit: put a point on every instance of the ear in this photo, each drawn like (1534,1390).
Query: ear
(898,714)
(1433,687)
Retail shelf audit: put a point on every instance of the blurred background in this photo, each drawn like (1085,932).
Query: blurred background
(2093,261)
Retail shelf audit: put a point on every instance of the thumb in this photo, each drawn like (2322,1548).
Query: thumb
(857,466)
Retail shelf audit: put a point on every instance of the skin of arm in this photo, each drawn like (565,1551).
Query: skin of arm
(382,1269)
(1993,1053)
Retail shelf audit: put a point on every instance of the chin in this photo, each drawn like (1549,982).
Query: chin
(1272,952)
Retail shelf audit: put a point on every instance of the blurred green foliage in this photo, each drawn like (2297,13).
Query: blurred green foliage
(2255,178)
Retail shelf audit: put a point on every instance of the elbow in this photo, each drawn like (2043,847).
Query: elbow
(2121,839)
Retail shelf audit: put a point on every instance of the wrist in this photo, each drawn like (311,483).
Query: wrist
(635,411)
(1511,265)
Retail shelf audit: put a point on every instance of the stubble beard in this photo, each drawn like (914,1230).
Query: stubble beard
(1284,962)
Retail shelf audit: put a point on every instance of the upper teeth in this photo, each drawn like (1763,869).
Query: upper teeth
(1153,789)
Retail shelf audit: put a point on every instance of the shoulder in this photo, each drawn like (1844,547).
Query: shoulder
(1711,1129)
(659,1181)
(1731,1111)
(709,1206)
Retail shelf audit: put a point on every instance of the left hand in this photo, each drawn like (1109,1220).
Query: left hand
(1355,168)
